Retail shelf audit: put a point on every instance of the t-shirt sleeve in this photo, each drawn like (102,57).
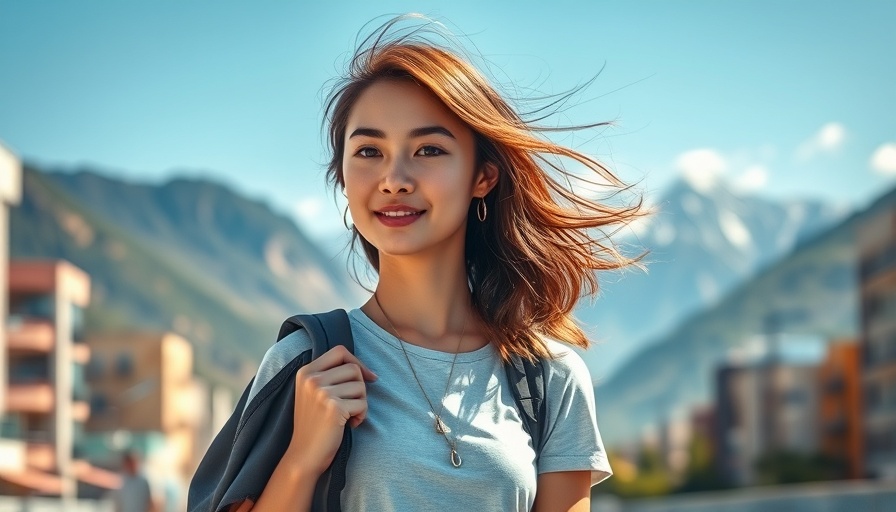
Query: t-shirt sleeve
(572,440)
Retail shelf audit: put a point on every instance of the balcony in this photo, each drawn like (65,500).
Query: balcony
(29,480)
(40,456)
(80,411)
(81,353)
(31,336)
(38,398)
(30,398)
(95,476)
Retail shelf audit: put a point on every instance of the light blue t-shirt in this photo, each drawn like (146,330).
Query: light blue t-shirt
(399,462)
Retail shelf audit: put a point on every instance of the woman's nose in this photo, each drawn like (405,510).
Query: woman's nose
(396,178)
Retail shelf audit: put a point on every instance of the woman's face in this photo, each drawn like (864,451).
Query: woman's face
(409,168)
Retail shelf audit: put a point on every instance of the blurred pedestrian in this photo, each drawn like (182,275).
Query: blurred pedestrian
(135,494)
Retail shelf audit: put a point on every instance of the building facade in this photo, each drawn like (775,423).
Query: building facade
(10,195)
(761,408)
(47,398)
(142,386)
(840,382)
(877,276)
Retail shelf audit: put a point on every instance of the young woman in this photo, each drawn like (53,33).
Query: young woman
(480,253)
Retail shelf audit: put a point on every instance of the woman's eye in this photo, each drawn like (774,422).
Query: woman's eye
(430,151)
(368,152)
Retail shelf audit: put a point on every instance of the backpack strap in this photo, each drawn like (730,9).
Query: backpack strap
(526,379)
(326,331)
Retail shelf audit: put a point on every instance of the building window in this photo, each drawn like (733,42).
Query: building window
(796,397)
(124,365)
(28,369)
(80,391)
(77,323)
(11,426)
(32,306)
(95,367)
(98,403)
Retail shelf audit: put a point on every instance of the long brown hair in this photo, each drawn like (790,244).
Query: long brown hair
(530,260)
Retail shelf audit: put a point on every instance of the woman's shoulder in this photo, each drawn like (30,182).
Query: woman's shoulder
(277,357)
(565,363)
(281,353)
(288,348)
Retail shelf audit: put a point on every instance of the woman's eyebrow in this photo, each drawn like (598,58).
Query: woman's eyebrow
(416,132)
(368,132)
(430,130)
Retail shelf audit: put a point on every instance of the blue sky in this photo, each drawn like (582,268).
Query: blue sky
(780,98)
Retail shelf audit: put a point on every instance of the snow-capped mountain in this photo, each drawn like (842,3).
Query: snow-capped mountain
(702,242)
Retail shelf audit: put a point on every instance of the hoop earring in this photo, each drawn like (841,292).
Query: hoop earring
(345,221)
(481,210)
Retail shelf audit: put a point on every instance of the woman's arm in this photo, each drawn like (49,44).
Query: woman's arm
(566,491)
(290,486)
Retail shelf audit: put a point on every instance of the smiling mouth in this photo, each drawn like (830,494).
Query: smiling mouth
(399,214)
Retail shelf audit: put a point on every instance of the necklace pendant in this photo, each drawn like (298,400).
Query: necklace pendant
(456,461)
(441,428)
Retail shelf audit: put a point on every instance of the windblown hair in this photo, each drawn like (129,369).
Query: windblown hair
(529,262)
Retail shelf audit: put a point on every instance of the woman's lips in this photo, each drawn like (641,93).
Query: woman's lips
(396,221)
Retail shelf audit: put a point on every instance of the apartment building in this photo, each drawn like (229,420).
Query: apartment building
(877,277)
(840,382)
(47,398)
(764,406)
(10,195)
(144,396)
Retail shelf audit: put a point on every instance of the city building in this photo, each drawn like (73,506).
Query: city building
(840,382)
(10,195)
(12,451)
(877,277)
(674,440)
(144,397)
(47,399)
(765,405)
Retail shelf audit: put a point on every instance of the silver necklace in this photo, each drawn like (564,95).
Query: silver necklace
(440,425)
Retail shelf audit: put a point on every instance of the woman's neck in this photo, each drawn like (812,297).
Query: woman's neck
(428,302)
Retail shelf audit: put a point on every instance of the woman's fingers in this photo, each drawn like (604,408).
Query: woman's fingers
(357,410)
(330,392)
(338,356)
(348,390)
(347,372)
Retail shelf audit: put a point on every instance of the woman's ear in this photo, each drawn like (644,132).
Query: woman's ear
(486,179)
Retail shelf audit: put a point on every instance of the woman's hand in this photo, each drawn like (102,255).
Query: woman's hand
(330,392)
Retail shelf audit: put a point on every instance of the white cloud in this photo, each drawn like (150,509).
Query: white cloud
(318,217)
(883,161)
(309,208)
(702,168)
(752,179)
(827,139)
(831,136)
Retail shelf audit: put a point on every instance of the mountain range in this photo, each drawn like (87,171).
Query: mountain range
(702,242)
